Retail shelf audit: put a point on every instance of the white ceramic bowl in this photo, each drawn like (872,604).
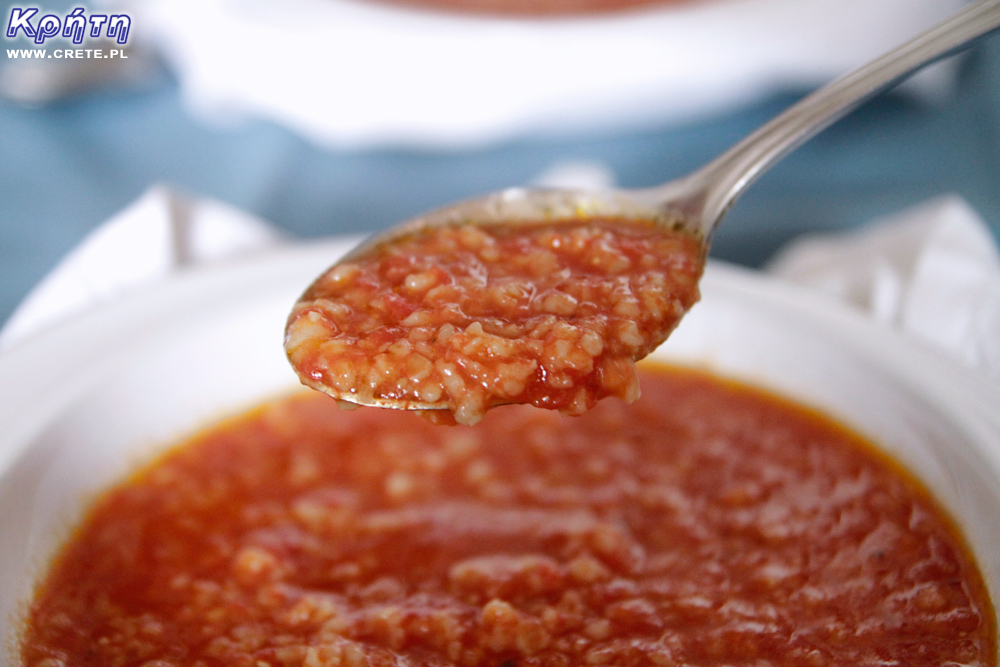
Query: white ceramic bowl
(87,401)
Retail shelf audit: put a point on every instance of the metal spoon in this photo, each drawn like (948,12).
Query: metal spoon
(339,353)
(699,200)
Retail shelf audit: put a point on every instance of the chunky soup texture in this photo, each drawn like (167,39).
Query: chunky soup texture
(460,319)
(706,524)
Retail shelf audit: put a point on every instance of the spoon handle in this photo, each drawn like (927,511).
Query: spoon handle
(719,183)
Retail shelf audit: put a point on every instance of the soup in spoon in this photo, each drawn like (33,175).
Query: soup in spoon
(458,319)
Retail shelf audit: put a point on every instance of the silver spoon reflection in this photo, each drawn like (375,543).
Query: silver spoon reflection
(549,296)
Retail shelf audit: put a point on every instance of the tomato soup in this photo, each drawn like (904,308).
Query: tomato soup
(457,320)
(706,524)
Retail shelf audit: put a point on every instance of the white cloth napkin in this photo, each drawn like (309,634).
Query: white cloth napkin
(932,272)
(361,72)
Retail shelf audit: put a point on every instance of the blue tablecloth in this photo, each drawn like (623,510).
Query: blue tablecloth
(66,167)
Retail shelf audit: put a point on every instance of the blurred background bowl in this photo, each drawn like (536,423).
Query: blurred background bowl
(364,72)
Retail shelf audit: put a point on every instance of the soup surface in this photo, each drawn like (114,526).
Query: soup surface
(456,320)
(706,524)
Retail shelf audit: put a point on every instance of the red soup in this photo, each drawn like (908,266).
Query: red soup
(706,524)
(457,320)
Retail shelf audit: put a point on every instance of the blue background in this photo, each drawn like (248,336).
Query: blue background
(66,167)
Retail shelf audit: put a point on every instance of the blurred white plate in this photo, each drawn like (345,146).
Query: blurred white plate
(351,72)
(86,401)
